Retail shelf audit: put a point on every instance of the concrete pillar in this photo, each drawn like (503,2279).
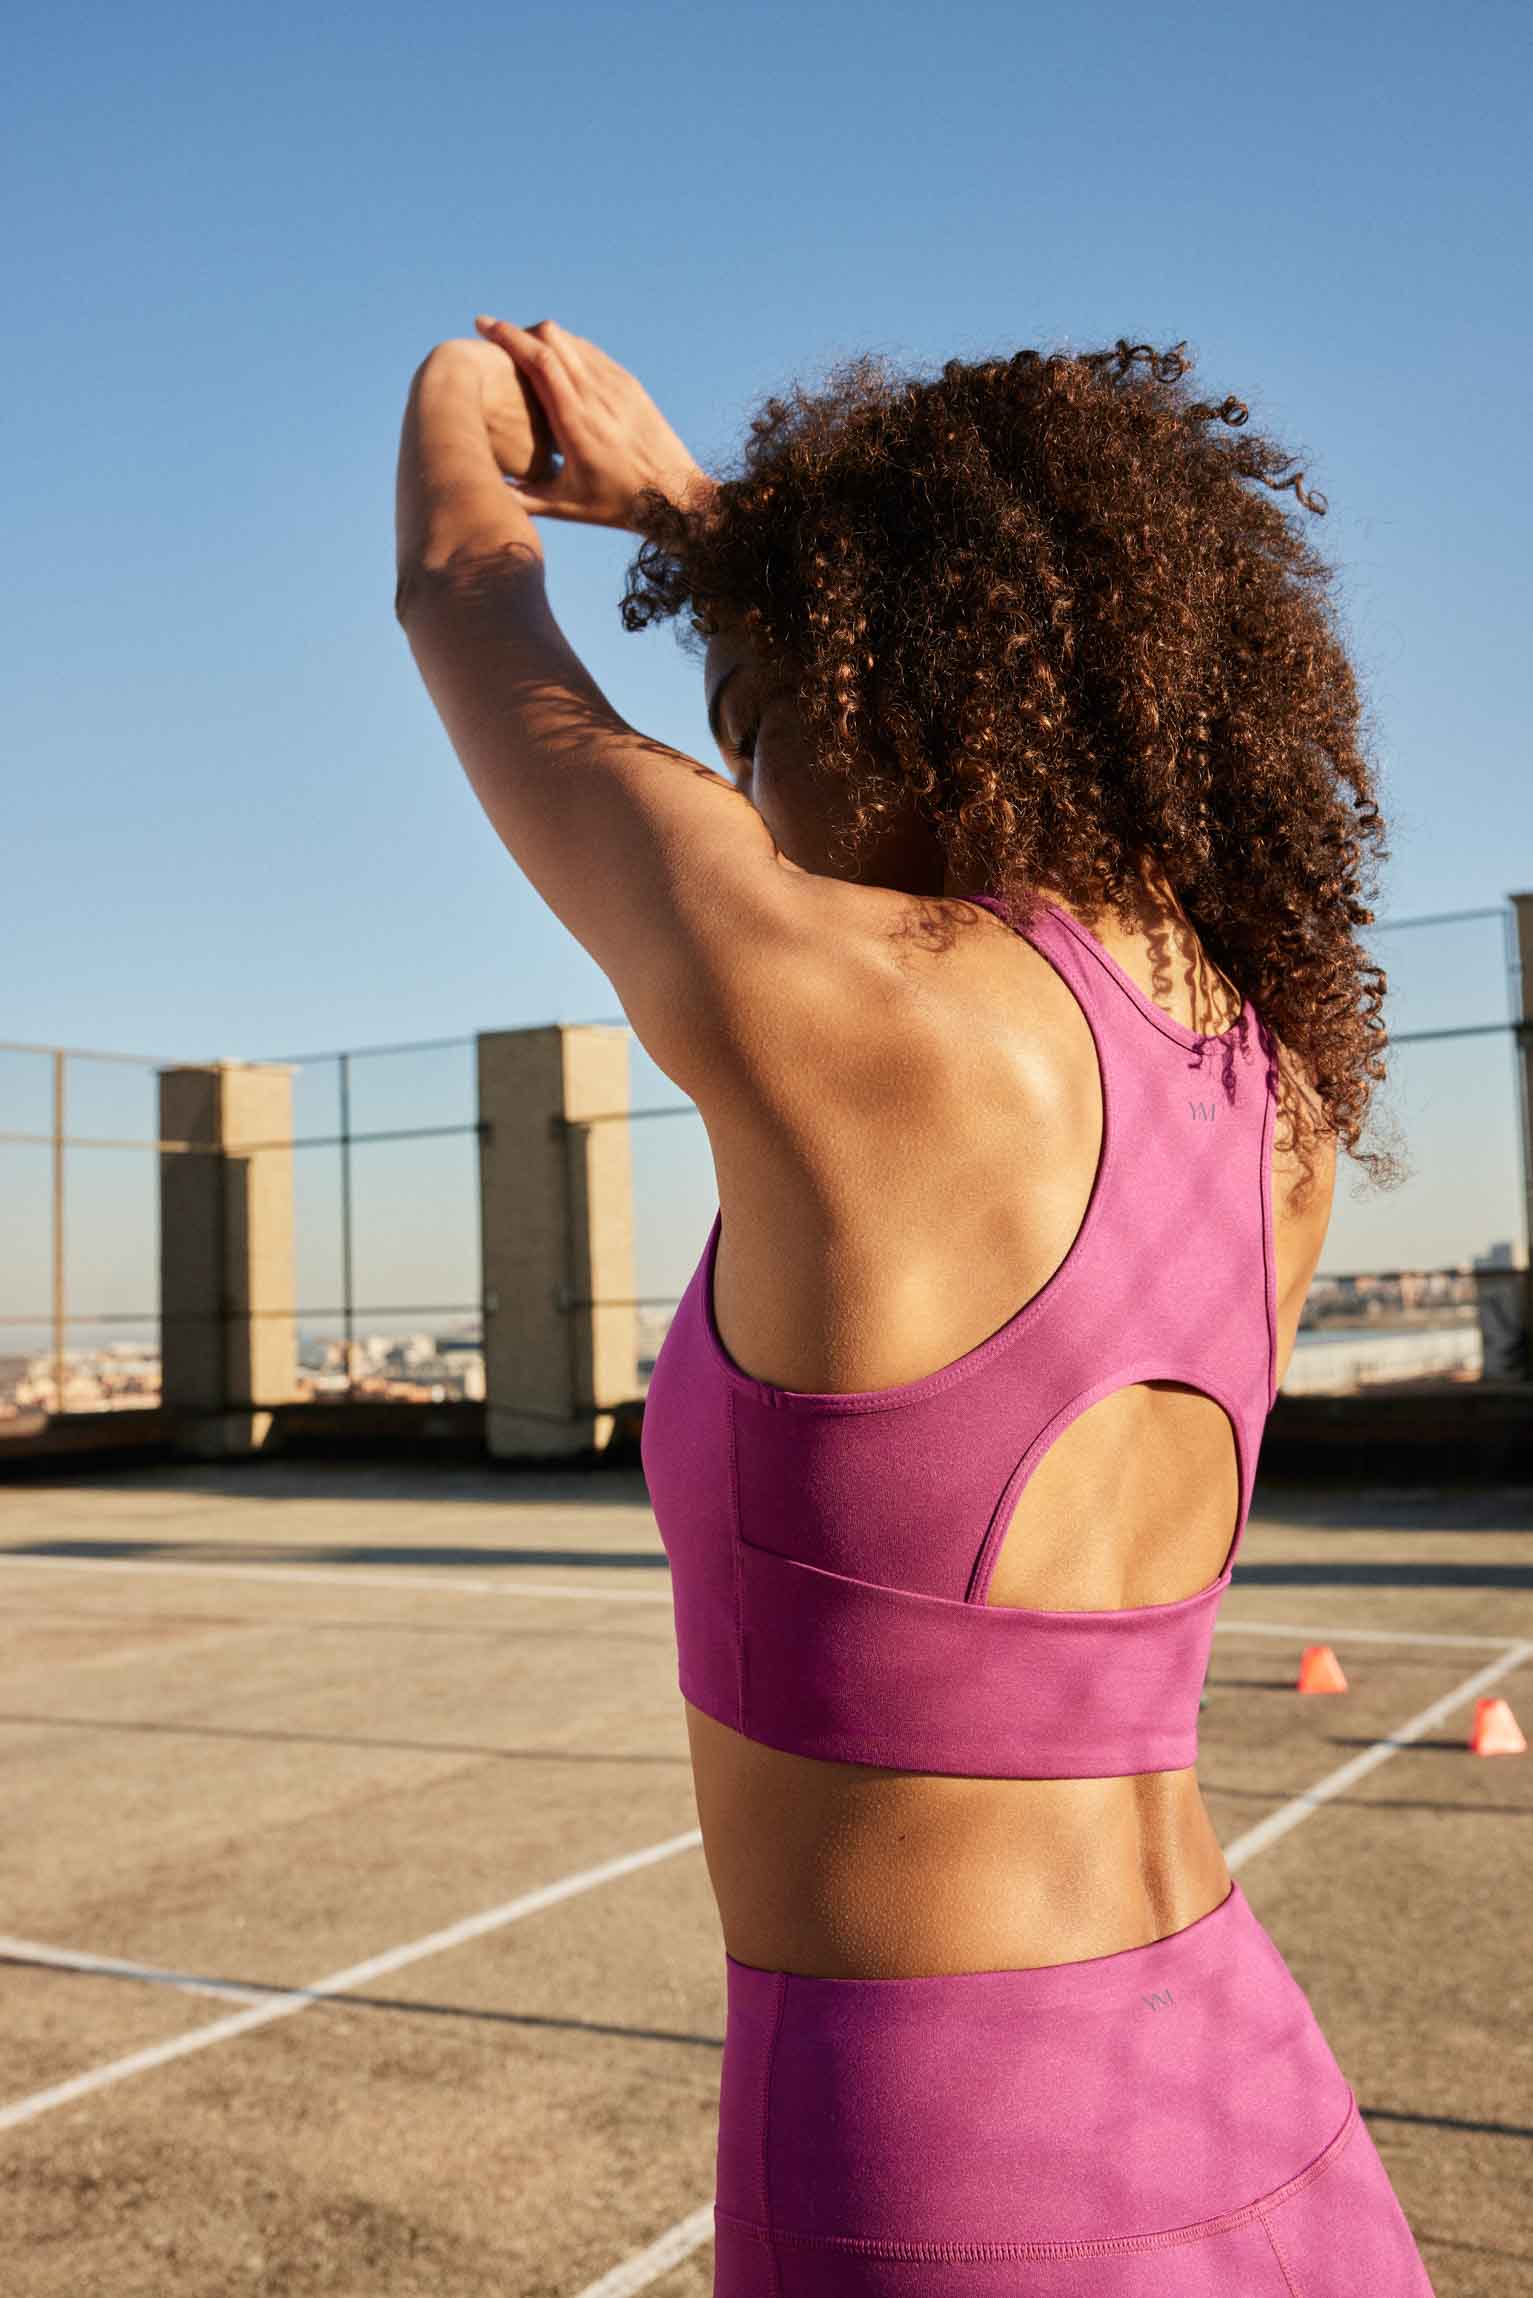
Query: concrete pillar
(1522,905)
(556,1226)
(229,1335)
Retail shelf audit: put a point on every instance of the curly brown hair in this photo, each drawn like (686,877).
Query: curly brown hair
(1033,596)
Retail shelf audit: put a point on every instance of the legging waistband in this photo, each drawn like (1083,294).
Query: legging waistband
(1163,2086)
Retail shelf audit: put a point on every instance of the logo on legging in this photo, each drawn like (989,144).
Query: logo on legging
(1203,1109)
(1159,2000)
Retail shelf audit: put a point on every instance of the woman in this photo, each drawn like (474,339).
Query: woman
(1015,978)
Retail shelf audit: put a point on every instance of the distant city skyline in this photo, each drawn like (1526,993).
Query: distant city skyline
(1371,1326)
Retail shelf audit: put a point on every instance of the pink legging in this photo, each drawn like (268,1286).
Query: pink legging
(1167,2122)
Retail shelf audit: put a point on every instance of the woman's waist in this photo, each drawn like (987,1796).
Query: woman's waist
(1137,2100)
(845,1870)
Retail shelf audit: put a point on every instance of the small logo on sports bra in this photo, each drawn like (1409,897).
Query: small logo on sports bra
(1203,1109)
(1159,2000)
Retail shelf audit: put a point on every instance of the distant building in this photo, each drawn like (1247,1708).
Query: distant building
(1501,1255)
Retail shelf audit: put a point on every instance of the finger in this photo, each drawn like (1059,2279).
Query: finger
(554,495)
(541,508)
(545,505)
(556,387)
(557,347)
(606,380)
(598,375)
(601,378)
(538,505)
(572,348)
(578,350)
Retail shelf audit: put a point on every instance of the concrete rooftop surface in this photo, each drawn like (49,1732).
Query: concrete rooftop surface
(357,1937)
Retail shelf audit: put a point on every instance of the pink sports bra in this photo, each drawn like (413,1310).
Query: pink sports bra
(830,1553)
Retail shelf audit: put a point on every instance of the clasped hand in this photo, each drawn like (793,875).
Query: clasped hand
(547,392)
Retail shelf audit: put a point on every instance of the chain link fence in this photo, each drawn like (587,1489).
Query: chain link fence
(1426,1282)
(386,1227)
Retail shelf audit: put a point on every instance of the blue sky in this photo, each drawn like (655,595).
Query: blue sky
(235,826)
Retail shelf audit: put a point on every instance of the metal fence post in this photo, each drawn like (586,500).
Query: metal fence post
(1522,905)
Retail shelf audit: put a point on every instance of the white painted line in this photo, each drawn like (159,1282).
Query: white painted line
(689,2234)
(1289,1815)
(285,2005)
(450,1583)
(1348,1635)
(646,2266)
(75,1959)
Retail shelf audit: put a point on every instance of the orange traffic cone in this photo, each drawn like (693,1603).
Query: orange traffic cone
(1320,1670)
(1496,1730)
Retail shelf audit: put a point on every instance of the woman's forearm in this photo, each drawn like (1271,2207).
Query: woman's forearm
(451,501)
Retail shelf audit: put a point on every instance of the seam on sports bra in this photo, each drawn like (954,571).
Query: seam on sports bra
(736,1563)
(1269,1234)
(1122,1376)
(907,1599)
(1166,1023)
